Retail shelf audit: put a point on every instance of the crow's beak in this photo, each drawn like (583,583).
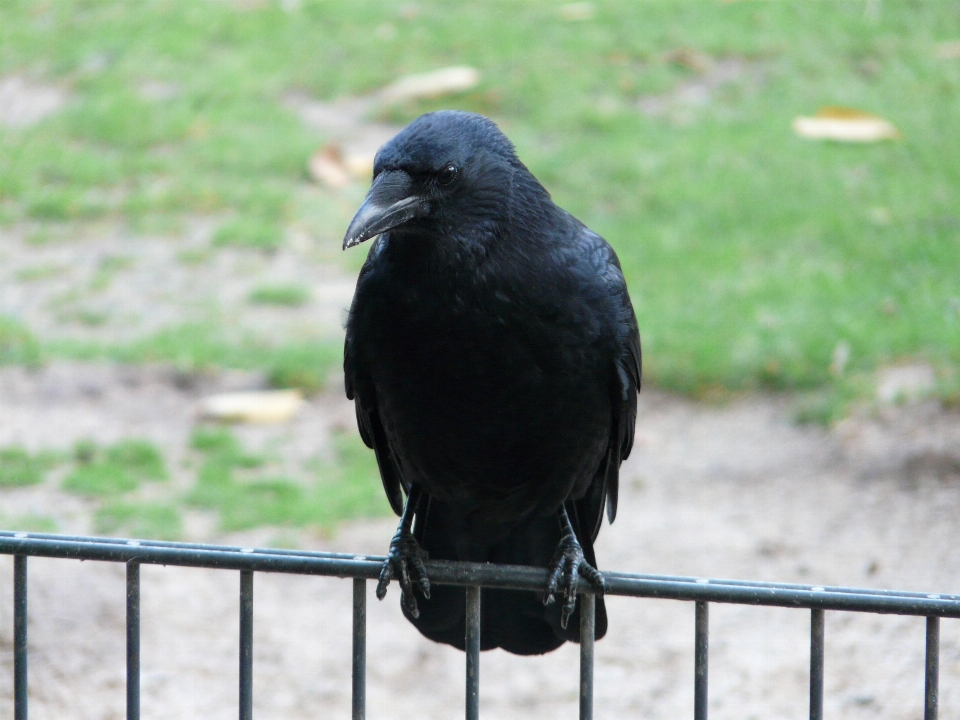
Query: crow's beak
(390,202)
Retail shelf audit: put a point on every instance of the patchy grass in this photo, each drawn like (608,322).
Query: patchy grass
(28,523)
(197,347)
(286,295)
(237,485)
(115,470)
(18,468)
(107,268)
(193,256)
(147,520)
(139,457)
(254,233)
(348,488)
(751,254)
(40,272)
(351,487)
(17,344)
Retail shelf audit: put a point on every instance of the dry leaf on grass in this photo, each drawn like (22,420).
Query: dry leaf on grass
(267,406)
(356,138)
(359,163)
(577,12)
(446,81)
(690,58)
(845,125)
(949,50)
(336,167)
(326,167)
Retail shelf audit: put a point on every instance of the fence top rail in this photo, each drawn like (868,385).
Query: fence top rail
(673,587)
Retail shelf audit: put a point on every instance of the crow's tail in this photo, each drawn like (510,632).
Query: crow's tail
(514,620)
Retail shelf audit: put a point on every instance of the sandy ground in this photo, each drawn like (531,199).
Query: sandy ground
(727,491)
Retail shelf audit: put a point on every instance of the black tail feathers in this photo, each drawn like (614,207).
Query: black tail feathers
(514,620)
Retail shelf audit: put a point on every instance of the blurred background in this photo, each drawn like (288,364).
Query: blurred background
(781,181)
(175,179)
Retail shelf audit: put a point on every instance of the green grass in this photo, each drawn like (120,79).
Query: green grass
(18,468)
(18,346)
(249,232)
(139,457)
(198,347)
(148,520)
(108,267)
(286,295)
(235,484)
(750,253)
(44,271)
(115,470)
(28,523)
(348,488)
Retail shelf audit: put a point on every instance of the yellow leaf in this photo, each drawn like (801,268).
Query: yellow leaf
(845,125)
(269,406)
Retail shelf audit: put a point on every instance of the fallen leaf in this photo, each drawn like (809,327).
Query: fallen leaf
(949,50)
(359,163)
(267,406)
(326,166)
(446,81)
(577,12)
(690,58)
(845,125)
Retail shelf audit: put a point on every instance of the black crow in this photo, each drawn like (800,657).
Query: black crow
(494,359)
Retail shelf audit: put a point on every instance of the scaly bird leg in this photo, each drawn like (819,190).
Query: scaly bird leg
(569,564)
(405,560)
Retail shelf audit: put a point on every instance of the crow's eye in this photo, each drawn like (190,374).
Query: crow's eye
(448,174)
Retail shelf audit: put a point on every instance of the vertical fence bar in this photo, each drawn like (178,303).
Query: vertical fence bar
(246,645)
(473,653)
(700,661)
(588,617)
(133,640)
(816,664)
(359,648)
(931,683)
(20,637)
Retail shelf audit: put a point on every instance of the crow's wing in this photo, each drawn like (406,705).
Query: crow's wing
(625,370)
(361,389)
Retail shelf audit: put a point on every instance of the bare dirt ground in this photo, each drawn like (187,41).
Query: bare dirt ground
(736,490)
(105,284)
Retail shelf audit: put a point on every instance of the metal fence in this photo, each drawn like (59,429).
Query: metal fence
(472,577)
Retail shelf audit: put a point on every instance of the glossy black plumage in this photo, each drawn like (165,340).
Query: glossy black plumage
(494,359)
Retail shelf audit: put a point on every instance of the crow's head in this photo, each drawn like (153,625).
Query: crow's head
(445,170)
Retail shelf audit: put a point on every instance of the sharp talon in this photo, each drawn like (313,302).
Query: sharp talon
(405,562)
(384,581)
(566,569)
(410,602)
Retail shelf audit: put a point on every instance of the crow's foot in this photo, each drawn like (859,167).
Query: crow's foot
(568,565)
(405,562)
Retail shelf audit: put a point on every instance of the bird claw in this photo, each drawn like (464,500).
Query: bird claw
(569,565)
(405,562)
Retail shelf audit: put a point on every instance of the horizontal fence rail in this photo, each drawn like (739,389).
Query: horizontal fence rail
(471,576)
